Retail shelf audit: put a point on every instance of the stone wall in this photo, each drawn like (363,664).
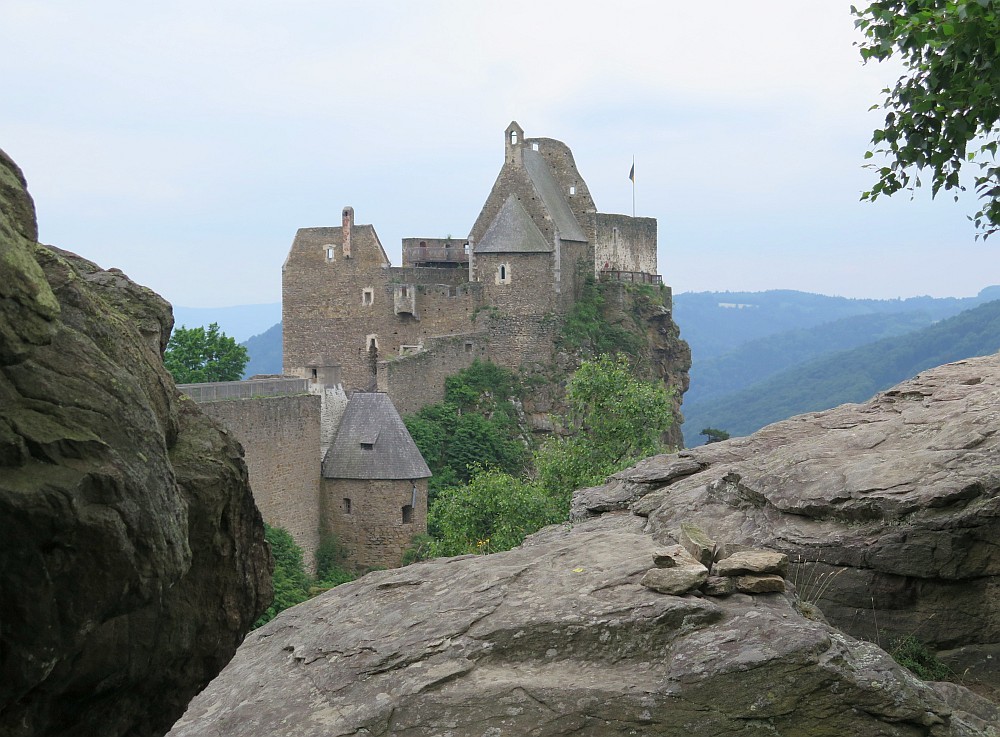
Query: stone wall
(625,243)
(366,517)
(334,307)
(417,379)
(280,437)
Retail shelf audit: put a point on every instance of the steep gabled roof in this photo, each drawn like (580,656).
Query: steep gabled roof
(552,196)
(513,231)
(372,443)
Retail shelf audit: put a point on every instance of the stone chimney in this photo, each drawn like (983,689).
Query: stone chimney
(348,227)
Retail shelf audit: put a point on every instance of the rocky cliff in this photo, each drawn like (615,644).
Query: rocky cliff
(132,559)
(571,634)
(634,319)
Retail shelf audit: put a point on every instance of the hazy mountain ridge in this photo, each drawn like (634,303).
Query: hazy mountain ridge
(239,322)
(758,359)
(848,376)
(717,322)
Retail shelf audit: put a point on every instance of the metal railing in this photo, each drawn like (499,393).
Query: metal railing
(631,277)
(244,389)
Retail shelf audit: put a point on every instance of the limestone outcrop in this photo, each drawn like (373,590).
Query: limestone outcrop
(561,636)
(897,497)
(558,637)
(132,559)
(889,511)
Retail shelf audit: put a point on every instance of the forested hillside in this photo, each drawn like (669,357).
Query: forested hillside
(847,376)
(758,359)
(265,352)
(714,323)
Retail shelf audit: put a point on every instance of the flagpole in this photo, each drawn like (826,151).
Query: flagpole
(633,186)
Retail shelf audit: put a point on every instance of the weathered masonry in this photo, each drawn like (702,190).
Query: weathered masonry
(350,317)
(319,462)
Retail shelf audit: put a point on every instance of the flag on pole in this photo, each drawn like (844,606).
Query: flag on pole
(631,173)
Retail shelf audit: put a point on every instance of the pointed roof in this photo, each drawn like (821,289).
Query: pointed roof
(552,196)
(513,231)
(373,443)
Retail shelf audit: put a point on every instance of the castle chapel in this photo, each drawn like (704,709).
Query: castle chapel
(351,318)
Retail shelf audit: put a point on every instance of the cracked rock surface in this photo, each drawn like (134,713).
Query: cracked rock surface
(889,511)
(558,637)
(132,557)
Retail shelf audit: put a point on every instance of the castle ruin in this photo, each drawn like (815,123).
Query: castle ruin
(350,317)
(371,341)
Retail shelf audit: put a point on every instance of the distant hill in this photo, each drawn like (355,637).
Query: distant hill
(238,322)
(758,359)
(847,376)
(265,352)
(714,323)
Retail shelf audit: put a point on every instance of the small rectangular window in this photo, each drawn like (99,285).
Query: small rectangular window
(572,189)
(407,514)
(367,297)
(347,505)
(329,253)
(368,446)
(534,146)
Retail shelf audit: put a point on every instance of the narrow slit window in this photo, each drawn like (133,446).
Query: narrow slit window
(329,253)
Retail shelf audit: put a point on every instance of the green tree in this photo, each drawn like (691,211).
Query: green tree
(197,355)
(714,435)
(946,101)
(494,511)
(476,424)
(291,582)
(615,420)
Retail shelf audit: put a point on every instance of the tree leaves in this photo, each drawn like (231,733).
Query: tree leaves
(946,100)
(196,356)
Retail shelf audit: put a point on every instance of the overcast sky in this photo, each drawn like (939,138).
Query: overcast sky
(185,142)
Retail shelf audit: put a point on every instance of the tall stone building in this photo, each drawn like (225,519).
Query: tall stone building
(351,317)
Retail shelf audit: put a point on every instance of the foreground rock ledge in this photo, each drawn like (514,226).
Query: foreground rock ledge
(132,558)
(555,638)
(896,498)
(889,511)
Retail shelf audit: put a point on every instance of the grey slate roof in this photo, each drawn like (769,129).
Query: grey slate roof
(513,231)
(370,418)
(552,196)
